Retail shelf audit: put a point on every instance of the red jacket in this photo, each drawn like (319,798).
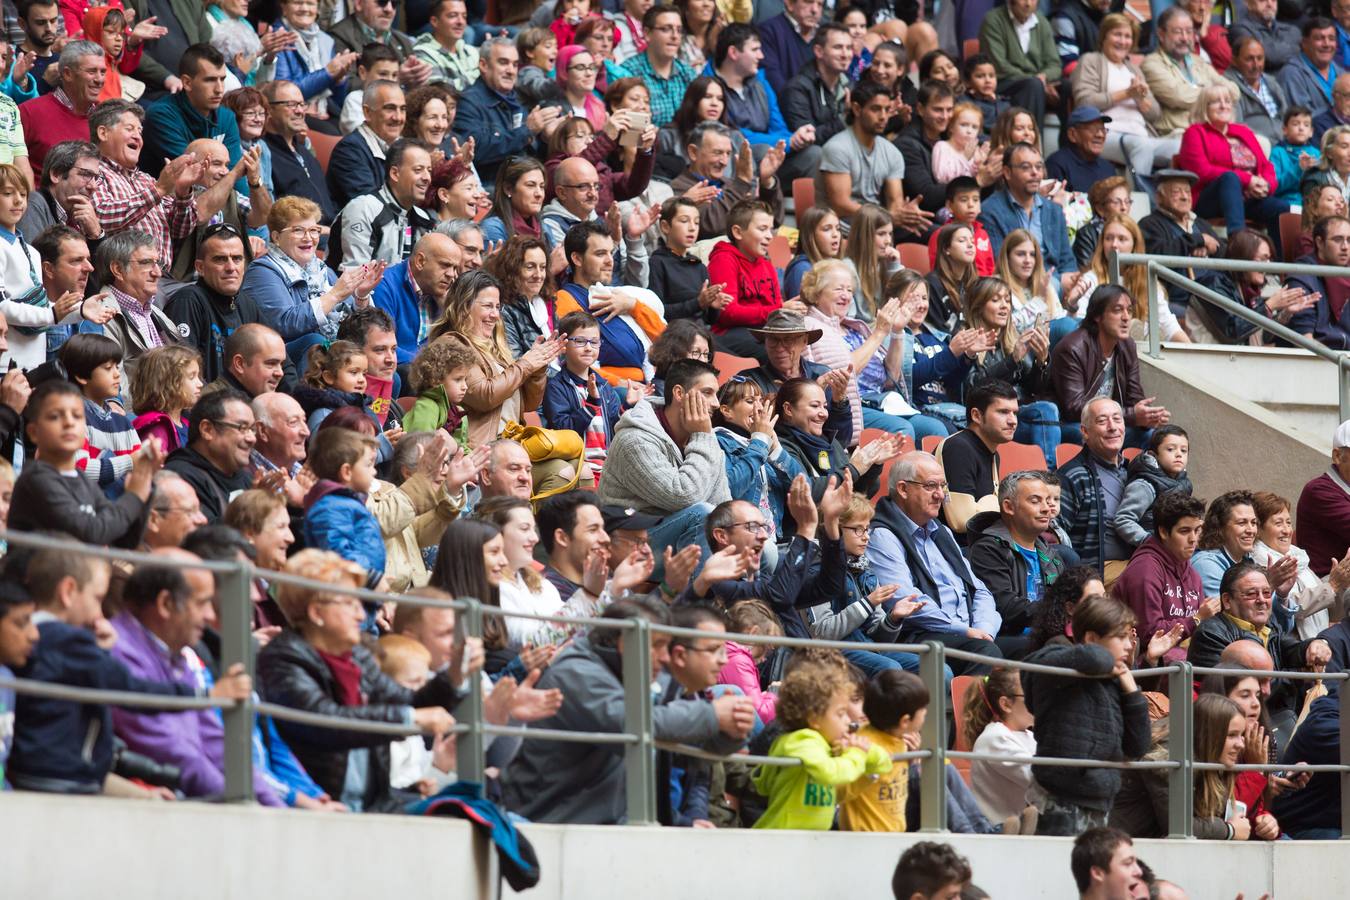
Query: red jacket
(1162,590)
(752,284)
(1205,152)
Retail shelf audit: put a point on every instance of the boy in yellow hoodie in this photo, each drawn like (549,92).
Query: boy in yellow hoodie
(813,707)
(896,704)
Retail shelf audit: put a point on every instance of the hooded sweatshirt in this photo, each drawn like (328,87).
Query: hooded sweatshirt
(1146,483)
(337,519)
(647,471)
(1006,570)
(803,797)
(752,284)
(1162,590)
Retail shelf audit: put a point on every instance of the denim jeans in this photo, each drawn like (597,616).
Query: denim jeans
(1062,326)
(1038,423)
(677,531)
(915,427)
(1223,197)
(874,662)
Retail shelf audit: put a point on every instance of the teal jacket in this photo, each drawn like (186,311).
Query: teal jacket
(171,124)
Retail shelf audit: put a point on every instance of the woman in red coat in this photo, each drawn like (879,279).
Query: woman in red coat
(1237,180)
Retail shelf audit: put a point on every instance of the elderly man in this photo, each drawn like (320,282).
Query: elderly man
(709,153)
(491,113)
(383,225)
(128,265)
(1093,483)
(818,94)
(295,169)
(1173,229)
(282,433)
(1328,320)
(1280,40)
(659,66)
(413,292)
(195,112)
(507,473)
(253,362)
(358,163)
(175,512)
(66,194)
(211,309)
(1261,100)
(63,115)
(221,205)
(911,549)
(1021,43)
(786,336)
(1324,508)
(453,60)
(221,435)
(1021,205)
(1308,77)
(373,330)
(787,41)
(1009,555)
(1175,72)
(575,184)
(1336,114)
(1079,164)
(371,22)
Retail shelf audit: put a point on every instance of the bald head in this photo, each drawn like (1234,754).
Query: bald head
(435,265)
(256,356)
(282,429)
(577,184)
(214,157)
(1245,654)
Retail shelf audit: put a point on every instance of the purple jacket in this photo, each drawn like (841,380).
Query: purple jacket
(192,740)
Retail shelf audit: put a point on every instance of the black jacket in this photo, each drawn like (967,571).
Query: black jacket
(1164,237)
(790,588)
(521,329)
(677,280)
(919,181)
(296,172)
(840,422)
(1083,718)
(347,35)
(291,673)
(206,319)
(46,500)
(888,517)
(353,170)
(807,101)
(1003,569)
(214,488)
(1285,649)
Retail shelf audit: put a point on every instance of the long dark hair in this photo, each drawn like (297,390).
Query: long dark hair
(459,570)
(1053,613)
(686,117)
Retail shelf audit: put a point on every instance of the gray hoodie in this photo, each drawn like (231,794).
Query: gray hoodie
(645,470)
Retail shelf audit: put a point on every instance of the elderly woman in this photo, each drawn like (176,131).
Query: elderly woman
(264,521)
(128,263)
(1108,197)
(250,108)
(1228,537)
(1335,165)
(312,64)
(501,388)
(251,59)
(876,358)
(1113,84)
(1311,597)
(1237,180)
(300,298)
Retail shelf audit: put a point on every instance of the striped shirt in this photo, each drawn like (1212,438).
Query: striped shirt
(128,199)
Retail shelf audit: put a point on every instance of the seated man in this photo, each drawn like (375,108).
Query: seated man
(1079,163)
(1324,508)
(1093,483)
(572,527)
(221,435)
(175,121)
(1338,113)
(668,462)
(229,209)
(384,224)
(128,264)
(659,66)
(1009,555)
(212,308)
(252,361)
(167,611)
(1328,320)
(1280,40)
(1314,813)
(412,293)
(786,40)
(1175,72)
(295,169)
(1173,229)
(1021,43)
(817,94)
(576,194)
(357,165)
(490,112)
(372,21)
(786,336)
(919,555)
(583,783)
(282,436)
(1021,202)
(709,154)
(1308,77)
(969,458)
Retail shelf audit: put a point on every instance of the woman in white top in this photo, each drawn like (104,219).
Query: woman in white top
(1121,235)
(996,720)
(1312,597)
(1110,82)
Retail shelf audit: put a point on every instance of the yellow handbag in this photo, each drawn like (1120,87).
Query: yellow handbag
(545,443)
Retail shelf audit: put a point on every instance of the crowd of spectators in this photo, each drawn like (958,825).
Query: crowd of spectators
(506,310)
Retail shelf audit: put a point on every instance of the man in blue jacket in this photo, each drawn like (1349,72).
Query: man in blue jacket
(413,292)
(193,113)
(491,114)
(1021,205)
(357,165)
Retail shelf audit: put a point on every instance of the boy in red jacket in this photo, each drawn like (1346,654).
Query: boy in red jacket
(741,263)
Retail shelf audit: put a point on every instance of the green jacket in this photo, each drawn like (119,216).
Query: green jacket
(803,797)
(998,39)
(432,411)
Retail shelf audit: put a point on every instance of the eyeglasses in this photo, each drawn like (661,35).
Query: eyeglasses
(1030,167)
(350,603)
(857,530)
(584,342)
(185,510)
(241,427)
(753,528)
(669,29)
(703,355)
(300,231)
(1257,594)
(145,263)
(253,112)
(583,68)
(590,187)
(289,104)
(90,174)
(931,487)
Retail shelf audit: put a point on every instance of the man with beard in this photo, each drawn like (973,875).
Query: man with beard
(384,225)
(1079,163)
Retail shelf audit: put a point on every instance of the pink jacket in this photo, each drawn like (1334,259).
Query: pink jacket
(742,672)
(833,351)
(1205,151)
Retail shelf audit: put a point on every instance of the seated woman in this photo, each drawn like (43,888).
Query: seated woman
(516,201)
(1321,200)
(935,362)
(454,192)
(682,339)
(578,137)
(952,277)
(1120,234)
(576,76)
(818,237)
(871,251)
(1258,291)
(1335,165)
(527,291)
(1312,597)
(704,101)
(1013,126)
(1035,300)
(312,64)
(1229,537)
(265,522)
(1237,180)
(431,109)
(1110,196)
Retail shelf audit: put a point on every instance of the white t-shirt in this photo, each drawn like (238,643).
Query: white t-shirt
(1125,117)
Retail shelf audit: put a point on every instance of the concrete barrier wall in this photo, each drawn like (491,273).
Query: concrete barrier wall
(60,847)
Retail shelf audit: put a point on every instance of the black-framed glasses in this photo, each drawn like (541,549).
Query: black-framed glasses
(240,427)
(289,104)
(857,530)
(584,342)
(931,487)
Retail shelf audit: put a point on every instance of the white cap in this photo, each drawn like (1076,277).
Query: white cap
(1342,437)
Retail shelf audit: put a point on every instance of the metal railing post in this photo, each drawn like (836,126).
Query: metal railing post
(469,746)
(1154,329)
(1344,688)
(1343,383)
(1181,749)
(639,759)
(236,638)
(933,776)
(1113,267)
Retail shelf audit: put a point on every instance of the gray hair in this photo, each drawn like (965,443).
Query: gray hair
(109,113)
(233,38)
(117,248)
(1085,417)
(162,479)
(703,129)
(453,228)
(493,447)
(497,40)
(408,452)
(76,51)
(63,157)
(906,468)
(368,92)
(1008,487)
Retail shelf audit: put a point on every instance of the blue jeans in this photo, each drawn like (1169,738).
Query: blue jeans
(677,531)
(875,662)
(916,427)
(1038,423)
(1062,326)
(1223,197)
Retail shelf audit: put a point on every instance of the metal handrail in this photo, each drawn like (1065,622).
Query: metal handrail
(129,699)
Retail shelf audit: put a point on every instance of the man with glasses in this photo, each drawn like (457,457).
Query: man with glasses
(1176,73)
(491,113)
(1024,204)
(66,194)
(174,512)
(1308,78)
(1336,114)
(219,202)
(128,266)
(911,549)
(221,435)
(576,187)
(667,77)
(371,22)
(295,169)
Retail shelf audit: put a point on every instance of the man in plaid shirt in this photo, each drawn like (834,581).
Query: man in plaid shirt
(666,77)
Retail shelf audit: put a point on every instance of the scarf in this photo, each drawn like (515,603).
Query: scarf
(856,565)
(815,448)
(316,278)
(347,674)
(307,48)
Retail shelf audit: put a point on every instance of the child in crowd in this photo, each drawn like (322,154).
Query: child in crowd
(378,62)
(538,52)
(813,709)
(336,516)
(94,362)
(168,382)
(18,637)
(107,26)
(981,79)
(741,264)
(577,399)
(1159,470)
(1294,155)
(896,704)
(412,765)
(818,237)
(741,669)
(335,376)
(678,277)
(759,471)
(1087,718)
(996,720)
(440,375)
(963,207)
(568,15)
(963,152)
